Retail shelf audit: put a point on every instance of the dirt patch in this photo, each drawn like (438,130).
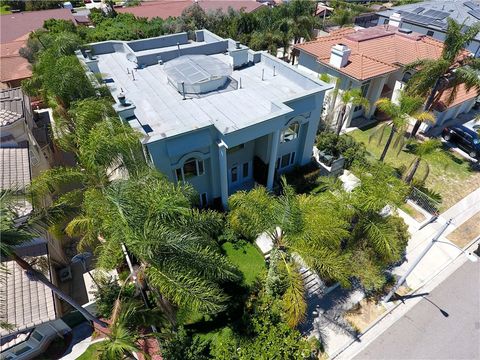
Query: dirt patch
(364,314)
(466,232)
(414,213)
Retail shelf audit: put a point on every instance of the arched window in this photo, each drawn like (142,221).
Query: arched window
(191,167)
(290,133)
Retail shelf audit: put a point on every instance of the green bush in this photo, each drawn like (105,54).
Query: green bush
(345,145)
(303,178)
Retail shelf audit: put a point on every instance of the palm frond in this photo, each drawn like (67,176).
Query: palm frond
(187,289)
(294,297)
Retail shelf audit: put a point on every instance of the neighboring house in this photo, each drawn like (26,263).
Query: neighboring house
(22,128)
(14,68)
(430,18)
(166,9)
(373,60)
(212,112)
(14,31)
(28,306)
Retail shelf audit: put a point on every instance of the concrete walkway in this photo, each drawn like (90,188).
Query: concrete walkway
(438,263)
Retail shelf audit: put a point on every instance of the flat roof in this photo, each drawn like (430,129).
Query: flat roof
(159,104)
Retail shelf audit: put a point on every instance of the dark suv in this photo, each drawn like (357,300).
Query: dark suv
(466,139)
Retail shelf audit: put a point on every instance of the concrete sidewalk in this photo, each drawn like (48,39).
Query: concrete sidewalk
(432,266)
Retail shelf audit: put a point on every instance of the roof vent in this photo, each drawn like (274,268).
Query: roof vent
(405,31)
(395,20)
(339,55)
(122,99)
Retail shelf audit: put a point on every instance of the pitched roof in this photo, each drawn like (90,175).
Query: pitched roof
(375,51)
(15,165)
(174,8)
(13,66)
(461,96)
(28,303)
(434,13)
(18,25)
(11,105)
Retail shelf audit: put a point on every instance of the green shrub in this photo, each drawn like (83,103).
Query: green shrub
(303,178)
(345,145)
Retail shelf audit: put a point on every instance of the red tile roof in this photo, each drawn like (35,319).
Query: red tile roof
(174,8)
(12,65)
(18,25)
(461,96)
(375,51)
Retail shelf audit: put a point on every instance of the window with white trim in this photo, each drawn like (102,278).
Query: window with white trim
(285,161)
(191,168)
(290,133)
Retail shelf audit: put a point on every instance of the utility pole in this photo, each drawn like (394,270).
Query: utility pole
(415,263)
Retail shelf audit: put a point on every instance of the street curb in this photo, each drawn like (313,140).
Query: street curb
(389,311)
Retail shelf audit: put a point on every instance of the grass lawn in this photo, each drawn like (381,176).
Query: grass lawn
(248,259)
(453,180)
(5,9)
(91,352)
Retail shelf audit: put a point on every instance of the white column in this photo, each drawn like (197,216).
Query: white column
(273,158)
(222,160)
(376,92)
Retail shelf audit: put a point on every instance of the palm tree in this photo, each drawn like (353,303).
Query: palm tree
(103,146)
(173,242)
(399,114)
(127,330)
(454,68)
(310,226)
(380,190)
(341,17)
(13,235)
(422,151)
(348,98)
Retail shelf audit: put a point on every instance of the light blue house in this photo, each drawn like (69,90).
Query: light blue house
(212,112)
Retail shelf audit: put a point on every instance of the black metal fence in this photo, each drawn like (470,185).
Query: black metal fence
(426,202)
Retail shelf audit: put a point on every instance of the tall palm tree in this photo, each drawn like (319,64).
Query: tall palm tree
(13,235)
(454,68)
(399,114)
(421,151)
(310,226)
(348,98)
(172,241)
(103,147)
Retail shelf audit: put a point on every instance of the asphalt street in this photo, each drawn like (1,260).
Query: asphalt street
(444,325)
